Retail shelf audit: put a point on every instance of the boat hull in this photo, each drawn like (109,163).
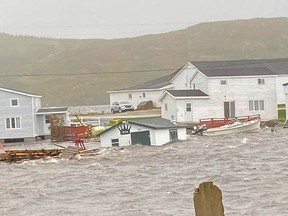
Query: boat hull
(242,127)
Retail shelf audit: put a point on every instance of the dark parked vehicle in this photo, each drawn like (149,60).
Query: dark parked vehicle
(121,107)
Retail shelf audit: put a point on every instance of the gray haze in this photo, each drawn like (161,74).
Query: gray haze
(125,18)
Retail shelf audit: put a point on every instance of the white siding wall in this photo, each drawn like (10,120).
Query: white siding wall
(241,90)
(171,105)
(280,80)
(137,97)
(163,136)
(24,111)
(183,79)
(286,99)
(200,109)
(182,134)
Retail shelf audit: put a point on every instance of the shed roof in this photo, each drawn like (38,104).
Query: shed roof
(187,93)
(51,110)
(154,123)
(157,123)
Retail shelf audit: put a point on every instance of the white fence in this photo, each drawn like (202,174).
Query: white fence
(86,110)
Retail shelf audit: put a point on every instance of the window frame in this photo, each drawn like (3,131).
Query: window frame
(11,102)
(223,82)
(256,105)
(115,142)
(12,123)
(261,81)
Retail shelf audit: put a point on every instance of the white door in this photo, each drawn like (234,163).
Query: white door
(188,111)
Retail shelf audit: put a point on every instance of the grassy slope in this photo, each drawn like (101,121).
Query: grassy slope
(243,39)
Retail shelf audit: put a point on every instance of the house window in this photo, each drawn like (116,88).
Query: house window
(166,107)
(144,95)
(14,103)
(47,119)
(188,107)
(223,82)
(261,81)
(115,142)
(130,96)
(251,106)
(256,105)
(13,123)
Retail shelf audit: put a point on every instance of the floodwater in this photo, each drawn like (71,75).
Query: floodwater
(250,169)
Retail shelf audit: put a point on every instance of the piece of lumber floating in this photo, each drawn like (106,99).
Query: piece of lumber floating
(17,155)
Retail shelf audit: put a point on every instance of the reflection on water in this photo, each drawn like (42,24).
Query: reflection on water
(250,169)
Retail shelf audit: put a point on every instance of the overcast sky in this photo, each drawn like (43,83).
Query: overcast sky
(124,18)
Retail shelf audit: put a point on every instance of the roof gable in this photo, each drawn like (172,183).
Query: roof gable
(18,92)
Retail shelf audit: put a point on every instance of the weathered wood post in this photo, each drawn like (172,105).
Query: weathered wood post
(208,200)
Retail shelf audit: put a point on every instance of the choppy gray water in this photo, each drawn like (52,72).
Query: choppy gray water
(250,169)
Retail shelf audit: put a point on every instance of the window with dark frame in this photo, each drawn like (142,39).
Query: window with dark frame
(47,119)
(188,107)
(261,81)
(115,142)
(223,82)
(144,95)
(13,123)
(14,102)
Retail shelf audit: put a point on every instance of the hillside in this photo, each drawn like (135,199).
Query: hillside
(92,67)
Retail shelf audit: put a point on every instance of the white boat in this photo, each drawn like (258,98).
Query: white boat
(236,127)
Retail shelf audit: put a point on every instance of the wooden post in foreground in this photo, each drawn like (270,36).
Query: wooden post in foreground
(208,200)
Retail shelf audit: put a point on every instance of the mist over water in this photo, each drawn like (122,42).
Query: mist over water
(250,169)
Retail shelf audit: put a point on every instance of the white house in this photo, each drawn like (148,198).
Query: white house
(151,131)
(285,85)
(21,116)
(225,89)
(43,118)
(147,91)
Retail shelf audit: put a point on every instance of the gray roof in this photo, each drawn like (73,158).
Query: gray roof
(213,72)
(52,110)
(187,93)
(156,123)
(277,66)
(155,83)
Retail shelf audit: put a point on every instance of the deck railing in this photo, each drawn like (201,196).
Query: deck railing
(218,122)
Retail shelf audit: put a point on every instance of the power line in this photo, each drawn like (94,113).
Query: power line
(153,70)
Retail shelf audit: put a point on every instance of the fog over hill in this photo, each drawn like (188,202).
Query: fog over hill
(70,72)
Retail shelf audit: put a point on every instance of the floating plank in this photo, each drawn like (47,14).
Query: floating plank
(70,152)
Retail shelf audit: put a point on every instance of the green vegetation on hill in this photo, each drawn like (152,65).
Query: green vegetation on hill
(83,59)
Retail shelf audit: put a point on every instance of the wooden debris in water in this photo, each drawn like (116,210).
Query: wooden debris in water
(70,152)
(17,155)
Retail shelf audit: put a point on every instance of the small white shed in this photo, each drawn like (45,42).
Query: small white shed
(151,131)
